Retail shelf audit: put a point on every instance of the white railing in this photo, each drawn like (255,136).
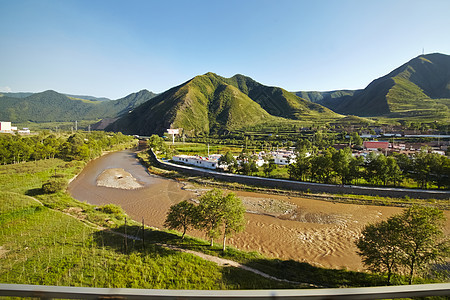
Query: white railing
(47,292)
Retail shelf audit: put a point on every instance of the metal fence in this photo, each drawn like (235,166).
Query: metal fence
(48,292)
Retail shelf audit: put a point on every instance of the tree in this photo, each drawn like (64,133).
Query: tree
(410,242)
(229,162)
(247,164)
(301,167)
(211,213)
(322,166)
(423,241)
(217,211)
(379,247)
(269,166)
(181,216)
(234,220)
(341,164)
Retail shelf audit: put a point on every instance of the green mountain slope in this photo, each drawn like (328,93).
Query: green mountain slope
(421,87)
(50,106)
(279,102)
(213,104)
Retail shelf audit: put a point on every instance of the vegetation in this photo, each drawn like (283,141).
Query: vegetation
(340,167)
(406,243)
(50,106)
(77,146)
(181,216)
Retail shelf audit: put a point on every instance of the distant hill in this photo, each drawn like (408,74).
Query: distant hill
(50,106)
(15,95)
(213,104)
(419,88)
(91,98)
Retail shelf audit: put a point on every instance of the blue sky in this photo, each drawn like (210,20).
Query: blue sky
(113,48)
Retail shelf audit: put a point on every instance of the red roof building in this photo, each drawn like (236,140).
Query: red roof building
(375,145)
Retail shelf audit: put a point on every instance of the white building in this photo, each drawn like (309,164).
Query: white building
(211,162)
(5,127)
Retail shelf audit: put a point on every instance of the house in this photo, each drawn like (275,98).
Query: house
(5,127)
(210,162)
(375,145)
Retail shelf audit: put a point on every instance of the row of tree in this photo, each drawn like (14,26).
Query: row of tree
(409,243)
(340,167)
(78,146)
(216,214)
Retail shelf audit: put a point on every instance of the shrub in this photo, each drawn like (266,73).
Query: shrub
(112,209)
(54,185)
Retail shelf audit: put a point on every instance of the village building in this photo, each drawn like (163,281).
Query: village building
(210,162)
(375,145)
(5,127)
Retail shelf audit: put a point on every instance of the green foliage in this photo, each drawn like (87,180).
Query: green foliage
(405,243)
(217,212)
(182,216)
(112,209)
(54,185)
(229,162)
(269,166)
(78,146)
(379,247)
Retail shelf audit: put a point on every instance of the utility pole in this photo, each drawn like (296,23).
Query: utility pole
(126,238)
(143,235)
(76,125)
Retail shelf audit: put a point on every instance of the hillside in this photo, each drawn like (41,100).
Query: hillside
(209,104)
(50,106)
(419,88)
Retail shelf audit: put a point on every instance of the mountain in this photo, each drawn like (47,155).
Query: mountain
(209,104)
(15,95)
(419,88)
(75,97)
(51,106)
(91,98)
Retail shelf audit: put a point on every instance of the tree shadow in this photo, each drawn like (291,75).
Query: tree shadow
(34,192)
(306,273)
(133,239)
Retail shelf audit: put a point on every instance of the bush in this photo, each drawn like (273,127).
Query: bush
(54,185)
(112,209)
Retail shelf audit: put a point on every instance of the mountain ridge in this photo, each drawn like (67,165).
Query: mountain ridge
(416,85)
(209,104)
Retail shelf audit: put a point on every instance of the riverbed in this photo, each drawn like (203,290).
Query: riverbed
(318,232)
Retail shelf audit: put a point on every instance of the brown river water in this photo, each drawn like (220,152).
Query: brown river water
(318,232)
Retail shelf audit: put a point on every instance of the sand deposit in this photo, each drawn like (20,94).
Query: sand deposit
(117,178)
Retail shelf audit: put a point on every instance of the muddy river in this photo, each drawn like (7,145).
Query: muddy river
(319,232)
